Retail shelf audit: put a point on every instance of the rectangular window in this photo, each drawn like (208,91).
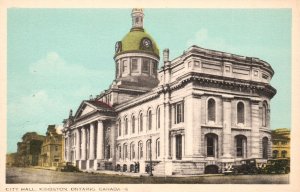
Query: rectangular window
(134,65)
(125,66)
(179,113)
(145,65)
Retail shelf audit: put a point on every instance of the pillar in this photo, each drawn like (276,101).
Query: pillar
(83,144)
(192,120)
(255,119)
(92,141)
(77,144)
(167,124)
(226,127)
(100,136)
(113,140)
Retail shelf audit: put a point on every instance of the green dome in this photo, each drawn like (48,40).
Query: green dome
(133,42)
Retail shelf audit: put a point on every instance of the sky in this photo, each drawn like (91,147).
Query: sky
(59,57)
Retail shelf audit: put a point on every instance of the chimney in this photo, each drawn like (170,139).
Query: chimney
(166,55)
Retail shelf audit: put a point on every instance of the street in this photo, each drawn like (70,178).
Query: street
(41,176)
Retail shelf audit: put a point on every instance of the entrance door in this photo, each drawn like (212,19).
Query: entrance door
(178,146)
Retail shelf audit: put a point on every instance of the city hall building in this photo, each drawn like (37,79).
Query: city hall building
(198,113)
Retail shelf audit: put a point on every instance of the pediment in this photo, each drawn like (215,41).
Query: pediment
(84,109)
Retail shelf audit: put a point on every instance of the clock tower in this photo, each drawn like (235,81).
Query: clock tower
(136,57)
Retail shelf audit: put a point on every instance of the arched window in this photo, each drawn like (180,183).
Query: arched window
(157,148)
(148,149)
(120,128)
(140,150)
(283,154)
(125,151)
(133,124)
(126,126)
(241,146)
(265,146)
(132,151)
(240,113)
(264,114)
(158,118)
(120,152)
(275,154)
(141,122)
(149,120)
(211,110)
(211,145)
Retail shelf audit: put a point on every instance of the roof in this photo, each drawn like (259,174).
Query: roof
(132,42)
(100,105)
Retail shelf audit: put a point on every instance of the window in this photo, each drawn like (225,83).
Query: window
(133,124)
(178,140)
(132,151)
(108,152)
(154,67)
(179,113)
(126,125)
(283,154)
(158,118)
(265,145)
(120,152)
(264,115)
(211,145)
(148,149)
(56,148)
(149,120)
(125,66)
(275,154)
(240,113)
(211,110)
(145,65)
(120,130)
(140,150)
(125,155)
(241,146)
(141,122)
(157,148)
(134,65)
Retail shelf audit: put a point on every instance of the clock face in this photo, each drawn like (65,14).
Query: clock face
(118,47)
(146,43)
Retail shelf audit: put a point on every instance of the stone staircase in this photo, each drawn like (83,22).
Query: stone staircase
(159,169)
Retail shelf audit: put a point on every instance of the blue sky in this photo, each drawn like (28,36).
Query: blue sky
(58,57)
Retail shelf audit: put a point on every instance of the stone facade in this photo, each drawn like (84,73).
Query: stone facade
(29,149)
(281,143)
(51,152)
(203,110)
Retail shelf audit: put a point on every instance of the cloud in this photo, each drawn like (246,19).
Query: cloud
(53,65)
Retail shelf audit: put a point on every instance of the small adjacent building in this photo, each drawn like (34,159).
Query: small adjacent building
(51,151)
(29,149)
(281,143)
(11,159)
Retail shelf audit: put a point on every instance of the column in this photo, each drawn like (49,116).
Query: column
(167,124)
(92,141)
(113,140)
(226,127)
(183,145)
(100,145)
(83,144)
(173,147)
(255,129)
(192,122)
(77,144)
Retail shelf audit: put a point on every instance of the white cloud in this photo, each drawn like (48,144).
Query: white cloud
(54,66)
